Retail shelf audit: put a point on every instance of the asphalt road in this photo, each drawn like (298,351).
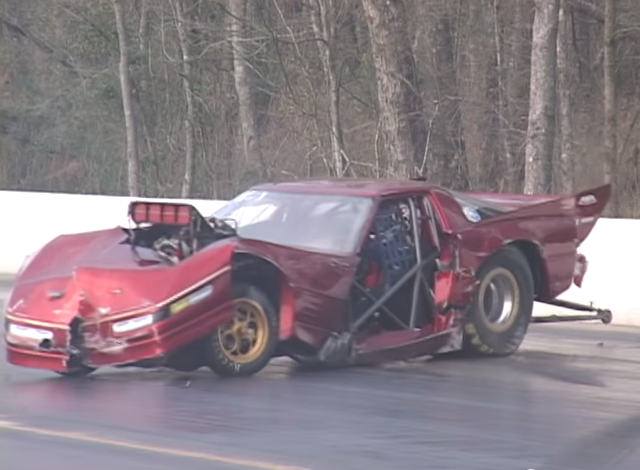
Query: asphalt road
(570,399)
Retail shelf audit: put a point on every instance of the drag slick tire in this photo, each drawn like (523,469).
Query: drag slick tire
(501,311)
(246,344)
(81,371)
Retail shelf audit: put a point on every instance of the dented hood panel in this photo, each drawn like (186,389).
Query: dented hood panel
(105,274)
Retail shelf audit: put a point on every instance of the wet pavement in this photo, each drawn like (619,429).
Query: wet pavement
(568,400)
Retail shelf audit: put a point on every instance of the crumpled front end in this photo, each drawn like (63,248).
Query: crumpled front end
(110,317)
(42,341)
(40,346)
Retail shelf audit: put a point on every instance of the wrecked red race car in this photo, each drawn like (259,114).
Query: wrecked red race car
(337,272)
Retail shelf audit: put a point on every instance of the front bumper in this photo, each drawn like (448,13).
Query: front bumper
(63,347)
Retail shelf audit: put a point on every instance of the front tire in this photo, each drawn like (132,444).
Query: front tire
(502,307)
(246,344)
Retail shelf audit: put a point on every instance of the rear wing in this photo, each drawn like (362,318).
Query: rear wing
(585,207)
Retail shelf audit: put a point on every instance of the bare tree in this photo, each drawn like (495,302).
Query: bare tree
(517,60)
(143,26)
(247,107)
(474,89)
(189,121)
(542,97)
(127,101)
(565,111)
(322,12)
(610,103)
(318,95)
(400,105)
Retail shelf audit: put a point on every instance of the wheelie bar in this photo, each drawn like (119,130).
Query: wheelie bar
(605,316)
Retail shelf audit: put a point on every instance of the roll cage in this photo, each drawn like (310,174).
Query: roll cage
(399,254)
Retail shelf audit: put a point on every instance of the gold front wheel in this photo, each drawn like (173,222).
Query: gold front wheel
(245,344)
(245,338)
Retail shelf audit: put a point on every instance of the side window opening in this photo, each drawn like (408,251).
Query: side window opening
(388,255)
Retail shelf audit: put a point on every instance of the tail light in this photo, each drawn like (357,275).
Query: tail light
(580,269)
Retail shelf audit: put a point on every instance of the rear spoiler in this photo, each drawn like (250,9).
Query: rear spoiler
(589,206)
(585,206)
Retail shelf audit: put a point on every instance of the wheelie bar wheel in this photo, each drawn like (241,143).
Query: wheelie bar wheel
(605,316)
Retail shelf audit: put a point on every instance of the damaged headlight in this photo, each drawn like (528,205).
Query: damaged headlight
(143,321)
(29,332)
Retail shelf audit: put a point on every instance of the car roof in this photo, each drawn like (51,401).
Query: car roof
(348,186)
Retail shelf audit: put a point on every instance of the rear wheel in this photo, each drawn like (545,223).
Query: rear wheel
(502,306)
(246,344)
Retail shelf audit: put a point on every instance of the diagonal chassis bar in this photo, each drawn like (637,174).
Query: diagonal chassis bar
(417,273)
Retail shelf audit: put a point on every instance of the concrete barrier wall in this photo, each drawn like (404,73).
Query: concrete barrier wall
(613,251)
(32,219)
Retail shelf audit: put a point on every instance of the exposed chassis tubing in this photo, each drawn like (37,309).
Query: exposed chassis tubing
(418,278)
(339,345)
(604,315)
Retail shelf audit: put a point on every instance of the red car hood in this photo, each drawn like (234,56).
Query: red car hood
(104,272)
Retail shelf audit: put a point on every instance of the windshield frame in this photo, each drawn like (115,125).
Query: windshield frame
(357,234)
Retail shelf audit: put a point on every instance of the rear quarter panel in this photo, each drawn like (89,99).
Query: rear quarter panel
(553,235)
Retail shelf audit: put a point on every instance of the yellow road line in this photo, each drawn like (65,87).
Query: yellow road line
(75,436)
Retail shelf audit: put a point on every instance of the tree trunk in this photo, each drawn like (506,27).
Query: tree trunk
(324,29)
(517,42)
(542,96)
(127,102)
(143,27)
(189,121)
(447,144)
(610,104)
(507,159)
(402,125)
(473,91)
(247,107)
(565,84)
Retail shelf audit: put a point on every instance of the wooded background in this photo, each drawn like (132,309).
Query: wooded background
(203,98)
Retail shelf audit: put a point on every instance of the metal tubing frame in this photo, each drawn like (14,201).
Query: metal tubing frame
(570,318)
(571,305)
(371,310)
(366,293)
(603,315)
(416,282)
(419,280)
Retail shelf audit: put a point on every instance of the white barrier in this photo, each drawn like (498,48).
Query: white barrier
(613,252)
(32,219)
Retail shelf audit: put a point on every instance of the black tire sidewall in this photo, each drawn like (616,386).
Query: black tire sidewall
(479,338)
(219,363)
